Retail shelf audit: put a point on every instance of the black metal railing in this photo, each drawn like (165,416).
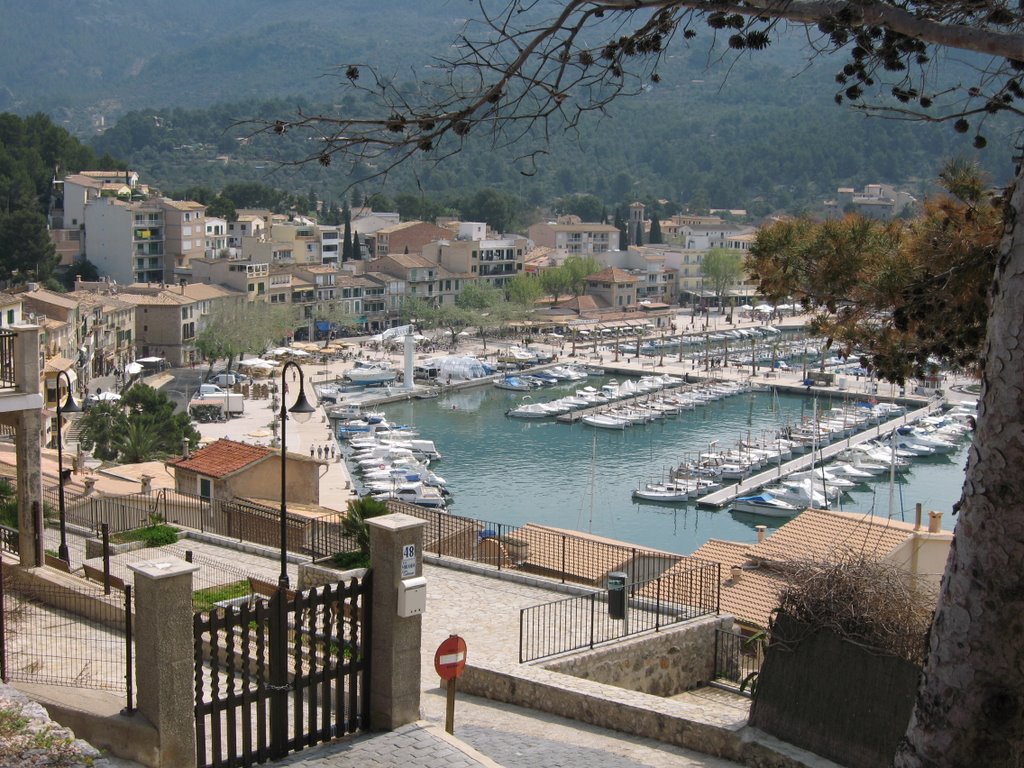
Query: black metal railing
(536,549)
(8,539)
(8,367)
(94,648)
(738,659)
(585,621)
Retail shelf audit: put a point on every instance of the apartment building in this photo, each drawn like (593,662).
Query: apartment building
(107,330)
(216,237)
(184,236)
(406,237)
(472,256)
(168,319)
(575,239)
(613,287)
(880,202)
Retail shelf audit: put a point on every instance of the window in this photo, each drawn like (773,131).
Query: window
(205,488)
(10,316)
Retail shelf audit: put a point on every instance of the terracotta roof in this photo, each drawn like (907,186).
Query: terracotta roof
(825,536)
(584,227)
(49,297)
(751,598)
(577,551)
(222,458)
(412,261)
(579,304)
(613,275)
(57,364)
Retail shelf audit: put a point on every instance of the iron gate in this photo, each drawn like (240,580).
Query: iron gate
(274,675)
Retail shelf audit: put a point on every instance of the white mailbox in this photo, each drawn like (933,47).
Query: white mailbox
(412,597)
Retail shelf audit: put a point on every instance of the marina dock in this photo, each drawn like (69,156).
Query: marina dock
(723,496)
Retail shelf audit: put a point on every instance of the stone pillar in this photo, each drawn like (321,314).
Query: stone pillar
(164,662)
(28,426)
(395,642)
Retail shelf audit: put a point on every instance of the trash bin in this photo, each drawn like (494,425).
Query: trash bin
(617,581)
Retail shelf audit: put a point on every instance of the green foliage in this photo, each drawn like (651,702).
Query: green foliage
(349,560)
(722,268)
(204,600)
(905,292)
(100,426)
(142,426)
(82,268)
(8,505)
(524,289)
(354,522)
(26,251)
(244,327)
(154,535)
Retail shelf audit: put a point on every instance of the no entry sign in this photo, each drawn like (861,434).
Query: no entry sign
(450,658)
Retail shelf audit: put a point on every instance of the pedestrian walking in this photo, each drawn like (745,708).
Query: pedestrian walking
(319,451)
(311,451)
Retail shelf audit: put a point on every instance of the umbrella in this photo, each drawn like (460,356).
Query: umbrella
(253,361)
(744,307)
(111,396)
(764,308)
(132,368)
(149,360)
(297,352)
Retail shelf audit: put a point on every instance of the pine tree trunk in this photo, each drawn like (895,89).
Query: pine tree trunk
(970,707)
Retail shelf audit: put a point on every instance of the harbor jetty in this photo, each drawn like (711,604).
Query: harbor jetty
(723,496)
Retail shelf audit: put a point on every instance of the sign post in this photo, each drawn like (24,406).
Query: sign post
(449,661)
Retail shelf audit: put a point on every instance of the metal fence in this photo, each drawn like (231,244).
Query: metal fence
(8,370)
(8,539)
(738,659)
(59,636)
(536,549)
(588,620)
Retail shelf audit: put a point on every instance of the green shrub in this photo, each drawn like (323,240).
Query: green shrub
(153,535)
(350,560)
(204,600)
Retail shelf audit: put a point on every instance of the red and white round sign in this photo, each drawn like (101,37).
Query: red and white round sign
(450,658)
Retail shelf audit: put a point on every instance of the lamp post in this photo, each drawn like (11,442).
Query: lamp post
(302,410)
(70,407)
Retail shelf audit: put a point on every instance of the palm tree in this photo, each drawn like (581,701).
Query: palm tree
(140,441)
(100,427)
(354,522)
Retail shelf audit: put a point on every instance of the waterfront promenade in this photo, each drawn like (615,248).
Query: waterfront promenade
(484,610)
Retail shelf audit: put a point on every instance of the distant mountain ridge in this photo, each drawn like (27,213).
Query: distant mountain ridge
(65,57)
(756,129)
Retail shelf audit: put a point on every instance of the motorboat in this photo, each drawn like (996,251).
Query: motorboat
(414,493)
(371,374)
(513,383)
(664,492)
(765,504)
(800,493)
(605,422)
(531,411)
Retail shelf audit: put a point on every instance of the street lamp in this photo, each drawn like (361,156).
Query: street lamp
(70,407)
(302,410)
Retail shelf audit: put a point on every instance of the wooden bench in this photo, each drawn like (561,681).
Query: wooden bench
(57,563)
(268,589)
(96,574)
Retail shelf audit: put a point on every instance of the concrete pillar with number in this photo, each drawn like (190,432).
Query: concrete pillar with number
(165,668)
(396,552)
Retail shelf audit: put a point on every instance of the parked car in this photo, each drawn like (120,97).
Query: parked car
(228,379)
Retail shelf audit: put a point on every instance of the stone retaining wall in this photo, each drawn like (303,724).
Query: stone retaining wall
(677,659)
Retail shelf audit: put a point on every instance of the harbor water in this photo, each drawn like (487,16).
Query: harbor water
(515,471)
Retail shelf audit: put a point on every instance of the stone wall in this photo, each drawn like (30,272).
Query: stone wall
(674,660)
